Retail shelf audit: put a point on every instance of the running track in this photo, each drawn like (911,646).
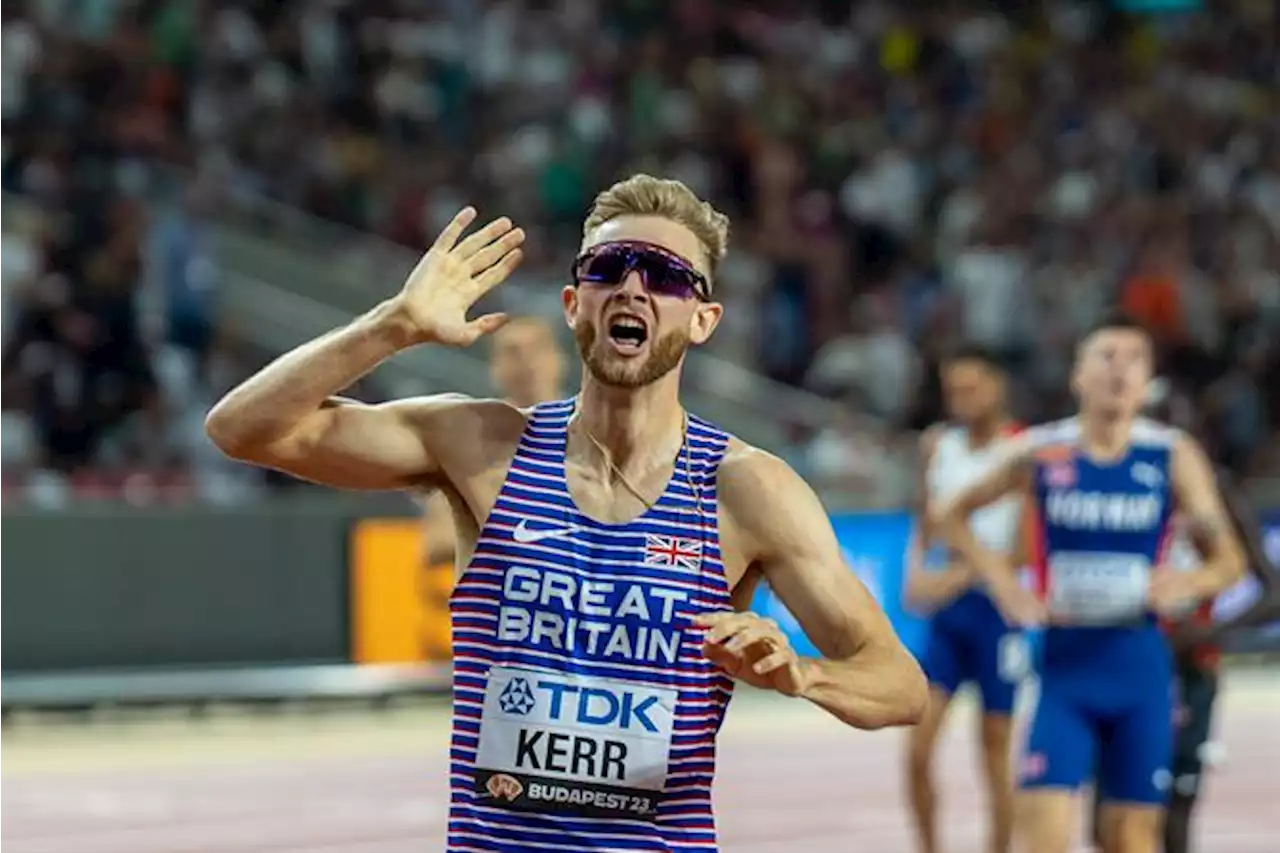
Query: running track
(791,781)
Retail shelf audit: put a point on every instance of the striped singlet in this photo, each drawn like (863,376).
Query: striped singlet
(584,712)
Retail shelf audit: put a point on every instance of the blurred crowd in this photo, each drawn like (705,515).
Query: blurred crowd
(900,177)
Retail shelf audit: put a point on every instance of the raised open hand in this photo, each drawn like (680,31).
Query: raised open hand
(453,275)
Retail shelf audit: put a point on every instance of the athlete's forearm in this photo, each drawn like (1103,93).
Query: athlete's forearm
(930,589)
(880,686)
(1219,573)
(269,404)
(990,566)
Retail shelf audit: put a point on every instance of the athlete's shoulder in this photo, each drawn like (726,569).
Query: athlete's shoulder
(492,428)
(763,499)
(1148,432)
(933,436)
(461,409)
(751,473)
(1064,432)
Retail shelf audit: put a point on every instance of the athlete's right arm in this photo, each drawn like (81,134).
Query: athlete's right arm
(283,417)
(926,590)
(1010,476)
(287,417)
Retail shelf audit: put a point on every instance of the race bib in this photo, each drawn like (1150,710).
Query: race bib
(1096,588)
(574,744)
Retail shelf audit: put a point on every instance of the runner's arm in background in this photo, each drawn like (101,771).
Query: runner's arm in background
(1195,485)
(927,589)
(1249,529)
(866,678)
(1011,476)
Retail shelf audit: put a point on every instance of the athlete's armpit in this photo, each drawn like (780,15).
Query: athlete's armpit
(1195,486)
(439,536)
(867,678)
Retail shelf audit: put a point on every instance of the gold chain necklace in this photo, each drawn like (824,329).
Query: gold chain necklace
(617,472)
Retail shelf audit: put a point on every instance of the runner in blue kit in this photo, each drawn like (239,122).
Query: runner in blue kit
(1104,486)
(612,541)
(968,640)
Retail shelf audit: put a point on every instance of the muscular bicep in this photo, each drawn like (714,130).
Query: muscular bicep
(796,550)
(352,445)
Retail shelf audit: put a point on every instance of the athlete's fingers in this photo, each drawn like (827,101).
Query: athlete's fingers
(497,274)
(750,636)
(488,324)
(496,251)
(723,658)
(486,235)
(772,662)
(726,628)
(725,625)
(444,242)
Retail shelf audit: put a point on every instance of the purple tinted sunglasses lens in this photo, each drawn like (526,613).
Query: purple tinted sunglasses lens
(661,272)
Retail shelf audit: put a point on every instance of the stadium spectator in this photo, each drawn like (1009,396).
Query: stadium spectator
(991,170)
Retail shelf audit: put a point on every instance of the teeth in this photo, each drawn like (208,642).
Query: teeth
(629,323)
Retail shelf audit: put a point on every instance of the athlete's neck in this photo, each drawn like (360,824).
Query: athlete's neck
(636,426)
(986,430)
(1105,436)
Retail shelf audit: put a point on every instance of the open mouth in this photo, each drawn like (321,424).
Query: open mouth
(628,334)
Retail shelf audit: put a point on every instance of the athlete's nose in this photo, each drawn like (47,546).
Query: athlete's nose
(631,289)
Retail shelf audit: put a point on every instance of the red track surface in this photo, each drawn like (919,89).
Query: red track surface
(789,783)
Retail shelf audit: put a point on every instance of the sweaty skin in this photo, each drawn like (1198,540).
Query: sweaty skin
(772,526)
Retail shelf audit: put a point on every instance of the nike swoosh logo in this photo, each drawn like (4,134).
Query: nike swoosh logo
(526,534)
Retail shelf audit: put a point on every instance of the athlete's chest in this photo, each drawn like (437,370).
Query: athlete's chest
(1131,495)
(956,466)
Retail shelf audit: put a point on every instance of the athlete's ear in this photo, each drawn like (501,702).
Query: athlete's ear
(704,321)
(569,299)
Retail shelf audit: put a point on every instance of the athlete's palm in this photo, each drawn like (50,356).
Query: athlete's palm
(453,275)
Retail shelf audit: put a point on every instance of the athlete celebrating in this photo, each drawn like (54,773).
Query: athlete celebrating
(1104,486)
(968,640)
(612,535)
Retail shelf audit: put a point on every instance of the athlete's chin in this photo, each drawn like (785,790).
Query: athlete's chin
(619,373)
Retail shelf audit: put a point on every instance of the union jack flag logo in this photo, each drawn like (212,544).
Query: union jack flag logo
(672,551)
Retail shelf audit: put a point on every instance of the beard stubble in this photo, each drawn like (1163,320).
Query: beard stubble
(664,355)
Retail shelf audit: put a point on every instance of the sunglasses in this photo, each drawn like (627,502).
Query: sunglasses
(663,273)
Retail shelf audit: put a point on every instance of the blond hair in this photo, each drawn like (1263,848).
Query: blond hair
(645,195)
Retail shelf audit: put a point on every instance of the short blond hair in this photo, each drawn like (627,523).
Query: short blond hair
(645,195)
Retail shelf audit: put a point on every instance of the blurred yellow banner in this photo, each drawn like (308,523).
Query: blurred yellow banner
(399,609)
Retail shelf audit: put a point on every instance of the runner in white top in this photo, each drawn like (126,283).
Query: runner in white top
(968,639)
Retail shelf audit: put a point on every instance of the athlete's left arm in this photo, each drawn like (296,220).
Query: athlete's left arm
(866,677)
(1245,521)
(1196,488)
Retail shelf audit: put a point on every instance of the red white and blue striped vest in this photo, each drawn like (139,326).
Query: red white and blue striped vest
(584,713)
